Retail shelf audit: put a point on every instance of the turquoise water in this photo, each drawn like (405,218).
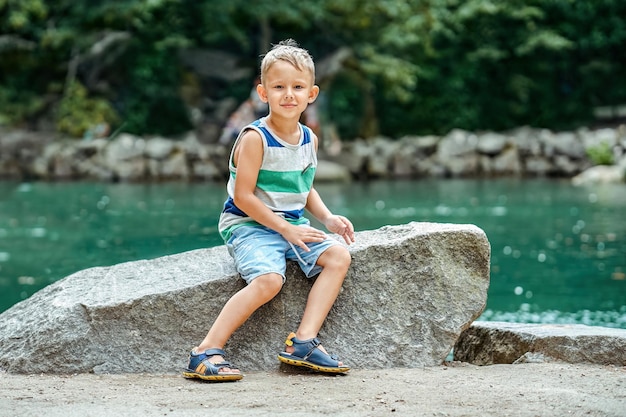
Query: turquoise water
(558,251)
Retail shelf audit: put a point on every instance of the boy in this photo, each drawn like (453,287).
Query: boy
(272,165)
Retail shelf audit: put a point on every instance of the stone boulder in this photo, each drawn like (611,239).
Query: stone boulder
(601,174)
(488,343)
(491,143)
(328,171)
(410,292)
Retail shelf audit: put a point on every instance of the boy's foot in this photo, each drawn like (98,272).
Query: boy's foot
(310,354)
(210,365)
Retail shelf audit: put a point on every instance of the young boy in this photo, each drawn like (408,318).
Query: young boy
(272,165)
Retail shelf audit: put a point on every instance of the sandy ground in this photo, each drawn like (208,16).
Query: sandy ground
(457,389)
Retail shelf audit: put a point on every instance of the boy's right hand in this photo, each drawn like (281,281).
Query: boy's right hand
(299,235)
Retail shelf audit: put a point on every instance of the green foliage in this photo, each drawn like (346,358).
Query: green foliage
(419,66)
(19,16)
(78,113)
(345,106)
(17,107)
(496,65)
(601,154)
(151,103)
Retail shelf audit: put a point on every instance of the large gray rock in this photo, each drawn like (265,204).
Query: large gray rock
(563,143)
(328,171)
(487,343)
(601,174)
(410,292)
(457,143)
(491,143)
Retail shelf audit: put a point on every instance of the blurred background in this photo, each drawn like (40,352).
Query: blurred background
(386,67)
(85,70)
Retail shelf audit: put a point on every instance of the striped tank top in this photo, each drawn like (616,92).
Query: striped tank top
(284,181)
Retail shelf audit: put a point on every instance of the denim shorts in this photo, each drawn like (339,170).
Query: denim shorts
(258,250)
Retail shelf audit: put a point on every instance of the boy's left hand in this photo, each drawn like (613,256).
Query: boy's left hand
(341,226)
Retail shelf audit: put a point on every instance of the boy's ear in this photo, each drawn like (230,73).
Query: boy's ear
(313,93)
(262,92)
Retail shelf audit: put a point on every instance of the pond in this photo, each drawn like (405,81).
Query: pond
(558,251)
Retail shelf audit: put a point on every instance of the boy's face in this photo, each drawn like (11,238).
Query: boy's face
(287,90)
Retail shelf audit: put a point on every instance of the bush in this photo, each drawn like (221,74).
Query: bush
(601,154)
(18,106)
(79,114)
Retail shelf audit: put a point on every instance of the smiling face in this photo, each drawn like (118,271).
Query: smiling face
(287,90)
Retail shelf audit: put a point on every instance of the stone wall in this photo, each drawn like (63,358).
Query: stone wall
(523,152)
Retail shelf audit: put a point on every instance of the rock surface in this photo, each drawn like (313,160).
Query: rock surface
(410,292)
(488,343)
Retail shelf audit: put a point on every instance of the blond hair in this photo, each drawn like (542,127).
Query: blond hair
(289,51)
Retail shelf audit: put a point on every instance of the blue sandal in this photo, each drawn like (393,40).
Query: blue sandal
(307,353)
(200,367)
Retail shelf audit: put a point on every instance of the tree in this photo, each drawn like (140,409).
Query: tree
(416,66)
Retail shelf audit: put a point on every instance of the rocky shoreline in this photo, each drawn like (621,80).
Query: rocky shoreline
(585,155)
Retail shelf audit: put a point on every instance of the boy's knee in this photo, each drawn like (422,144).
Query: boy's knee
(345,257)
(269,284)
(338,256)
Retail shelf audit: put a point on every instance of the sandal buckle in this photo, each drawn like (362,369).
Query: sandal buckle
(289,341)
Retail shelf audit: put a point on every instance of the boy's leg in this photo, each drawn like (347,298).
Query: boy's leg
(335,262)
(237,310)
(259,255)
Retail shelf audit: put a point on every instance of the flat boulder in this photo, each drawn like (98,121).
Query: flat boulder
(488,343)
(410,292)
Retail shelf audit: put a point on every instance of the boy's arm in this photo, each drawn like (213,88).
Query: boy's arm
(248,158)
(334,223)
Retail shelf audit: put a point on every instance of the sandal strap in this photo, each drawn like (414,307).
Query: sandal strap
(214,352)
(311,344)
(209,353)
(219,365)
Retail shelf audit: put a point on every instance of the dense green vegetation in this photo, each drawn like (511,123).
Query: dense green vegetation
(416,66)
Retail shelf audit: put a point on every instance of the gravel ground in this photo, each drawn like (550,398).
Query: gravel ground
(457,389)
